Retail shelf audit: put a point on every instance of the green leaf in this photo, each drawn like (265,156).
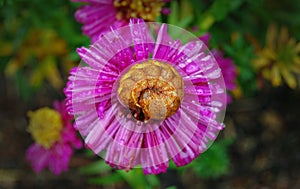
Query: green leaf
(106,180)
(214,162)
(218,11)
(172,165)
(174,16)
(152,180)
(98,167)
(89,153)
(171,187)
(175,19)
(243,54)
(135,178)
(221,8)
(185,21)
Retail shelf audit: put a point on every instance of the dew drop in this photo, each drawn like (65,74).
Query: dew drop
(199,91)
(191,68)
(122,142)
(181,65)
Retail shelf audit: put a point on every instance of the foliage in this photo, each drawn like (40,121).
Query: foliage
(214,162)
(102,174)
(38,44)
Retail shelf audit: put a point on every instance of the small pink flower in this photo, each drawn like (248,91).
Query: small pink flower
(56,157)
(228,69)
(227,66)
(205,38)
(98,16)
(141,98)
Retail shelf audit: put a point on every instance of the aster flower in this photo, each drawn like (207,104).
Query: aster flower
(141,98)
(227,66)
(279,60)
(98,16)
(54,137)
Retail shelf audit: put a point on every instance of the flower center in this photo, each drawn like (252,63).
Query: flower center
(45,126)
(145,9)
(151,90)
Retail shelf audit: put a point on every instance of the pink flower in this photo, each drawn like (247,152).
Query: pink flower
(227,66)
(57,155)
(142,98)
(205,38)
(97,16)
(228,69)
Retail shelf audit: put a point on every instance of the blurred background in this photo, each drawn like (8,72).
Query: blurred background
(259,148)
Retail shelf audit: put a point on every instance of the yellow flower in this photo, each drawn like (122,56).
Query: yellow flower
(279,60)
(45,126)
(40,51)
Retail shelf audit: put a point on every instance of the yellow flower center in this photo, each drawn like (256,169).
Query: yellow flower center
(151,90)
(145,9)
(45,126)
